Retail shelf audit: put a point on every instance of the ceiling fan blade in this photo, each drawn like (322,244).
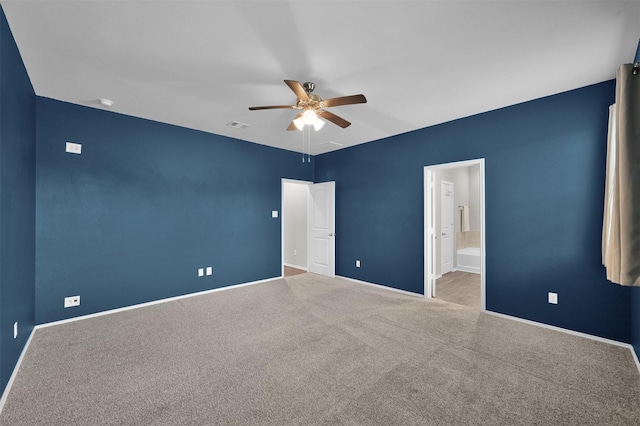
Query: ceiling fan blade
(271,107)
(292,126)
(334,119)
(345,100)
(297,89)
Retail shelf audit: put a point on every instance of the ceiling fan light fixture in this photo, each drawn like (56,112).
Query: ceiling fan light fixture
(318,124)
(299,123)
(309,116)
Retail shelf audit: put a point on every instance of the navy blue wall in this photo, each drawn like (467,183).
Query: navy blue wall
(545,168)
(145,205)
(17,202)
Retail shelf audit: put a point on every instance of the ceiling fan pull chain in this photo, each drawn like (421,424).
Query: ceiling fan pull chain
(302,144)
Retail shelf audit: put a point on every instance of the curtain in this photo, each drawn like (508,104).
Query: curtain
(621,225)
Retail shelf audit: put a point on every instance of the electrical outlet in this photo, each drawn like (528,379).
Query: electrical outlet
(201,272)
(295,252)
(553,298)
(71,301)
(274,213)
(357,263)
(15,329)
(209,270)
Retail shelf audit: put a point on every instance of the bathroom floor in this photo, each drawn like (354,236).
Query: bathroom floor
(289,271)
(462,288)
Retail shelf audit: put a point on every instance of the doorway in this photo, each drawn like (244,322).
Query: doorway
(308,228)
(295,205)
(467,233)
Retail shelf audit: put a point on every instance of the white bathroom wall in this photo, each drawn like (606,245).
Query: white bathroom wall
(474,197)
(294,222)
(460,178)
(466,182)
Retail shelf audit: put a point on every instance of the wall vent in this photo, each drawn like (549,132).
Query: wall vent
(238,125)
(332,144)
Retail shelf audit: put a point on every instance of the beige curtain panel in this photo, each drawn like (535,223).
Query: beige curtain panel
(621,225)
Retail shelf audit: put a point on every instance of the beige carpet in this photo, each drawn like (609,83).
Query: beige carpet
(307,350)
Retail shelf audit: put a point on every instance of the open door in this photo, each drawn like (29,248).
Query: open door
(430,236)
(322,243)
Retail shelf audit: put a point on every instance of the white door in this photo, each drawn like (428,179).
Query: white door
(322,244)
(446,227)
(431,240)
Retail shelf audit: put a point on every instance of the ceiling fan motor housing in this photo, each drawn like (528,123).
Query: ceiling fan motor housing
(308,86)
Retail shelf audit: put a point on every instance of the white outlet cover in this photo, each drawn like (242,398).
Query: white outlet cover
(15,329)
(201,272)
(553,298)
(74,148)
(357,263)
(209,270)
(274,213)
(71,301)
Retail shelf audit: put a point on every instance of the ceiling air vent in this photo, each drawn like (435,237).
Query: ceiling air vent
(331,144)
(237,125)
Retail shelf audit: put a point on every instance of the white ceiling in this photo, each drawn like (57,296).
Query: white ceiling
(201,64)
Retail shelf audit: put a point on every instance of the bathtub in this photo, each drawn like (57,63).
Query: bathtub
(469,259)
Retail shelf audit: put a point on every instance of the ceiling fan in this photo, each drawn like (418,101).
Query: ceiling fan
(313,106)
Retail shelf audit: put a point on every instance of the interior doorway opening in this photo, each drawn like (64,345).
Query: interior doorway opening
(459,283)
(308,227)
(295,216)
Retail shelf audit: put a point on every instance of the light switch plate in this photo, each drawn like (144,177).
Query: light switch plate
(209,270)
(201,272)
(553,298)
(74,148)
(274,213)
(357,263)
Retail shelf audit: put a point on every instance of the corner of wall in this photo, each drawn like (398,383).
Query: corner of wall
(17,204)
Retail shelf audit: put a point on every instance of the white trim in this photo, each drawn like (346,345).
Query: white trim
(154,302)
(7,388)
(509,317)
(291,265)
(5,394)
(384,287)
(635,357)
(572,332)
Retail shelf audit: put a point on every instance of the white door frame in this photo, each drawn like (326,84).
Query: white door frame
(429,227)
(283,181)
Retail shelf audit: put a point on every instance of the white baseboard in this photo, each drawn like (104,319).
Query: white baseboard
(635,357)
(384,287)
(154,302)
(539,324)
(5,393)
(572,332)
